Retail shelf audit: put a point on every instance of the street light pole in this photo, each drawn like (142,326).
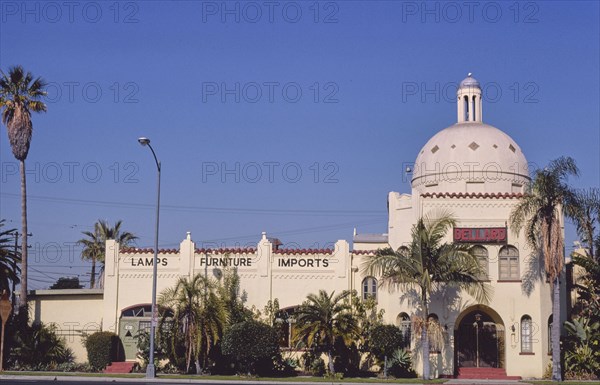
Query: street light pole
(151,370)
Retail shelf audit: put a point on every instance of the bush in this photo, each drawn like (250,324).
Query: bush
(313,364)
(252,345)
(102,349)
(400,364)
(384,340)
(37,347)
(582,356)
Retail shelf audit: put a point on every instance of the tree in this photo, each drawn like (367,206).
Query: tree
(67,283)
(385,340)
(233,297)
(587,218)
(539,212)
(427,265)
(94,246)
(9,259)
(323,318)
(199,317)
(20,95)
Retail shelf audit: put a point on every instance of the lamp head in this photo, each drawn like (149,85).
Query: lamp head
(144,141)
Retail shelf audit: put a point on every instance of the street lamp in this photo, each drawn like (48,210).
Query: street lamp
(150,370)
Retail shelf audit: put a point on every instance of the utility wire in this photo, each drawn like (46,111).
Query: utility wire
(222,210)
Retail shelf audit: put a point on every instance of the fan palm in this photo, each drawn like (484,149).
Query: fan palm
(428,265)
(20,95)
(199,316)
(540,214)
(9,259)
(323,318)
(94,246)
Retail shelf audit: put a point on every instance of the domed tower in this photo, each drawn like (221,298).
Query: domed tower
(469,100)
(470,156)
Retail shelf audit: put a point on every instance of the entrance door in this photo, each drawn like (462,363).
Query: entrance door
(128,330)
(133,319)
(479,342)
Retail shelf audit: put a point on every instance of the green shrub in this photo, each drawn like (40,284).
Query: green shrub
(313,364)
(384,340)
(400,364)
(253,347)
(102,349)
(37,347)
(582,353)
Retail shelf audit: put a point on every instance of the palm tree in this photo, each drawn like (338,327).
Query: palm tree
(20,95)
(428,265)
(323,318)
(586,212)
(587,221)
(9,259)
(94,246)
(540,213)
(199,316)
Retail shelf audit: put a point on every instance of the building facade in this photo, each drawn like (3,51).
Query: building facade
(470,169)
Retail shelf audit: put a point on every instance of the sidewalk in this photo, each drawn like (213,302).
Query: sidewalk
(208,380)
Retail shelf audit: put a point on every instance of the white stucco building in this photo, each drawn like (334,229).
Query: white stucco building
(471,169)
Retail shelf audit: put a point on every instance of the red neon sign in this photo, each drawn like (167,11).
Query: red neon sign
(480,235)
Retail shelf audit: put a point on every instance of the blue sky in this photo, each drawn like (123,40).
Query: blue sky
(295,118)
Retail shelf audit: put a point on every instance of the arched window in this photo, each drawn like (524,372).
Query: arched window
(482,256)
(404,251)
(369,288)
(436,336)
(526,335)
(403,321)
(508,266)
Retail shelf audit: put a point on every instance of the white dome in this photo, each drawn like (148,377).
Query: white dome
(469,81)
(470,157)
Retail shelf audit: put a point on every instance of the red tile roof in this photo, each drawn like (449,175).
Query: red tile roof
(136,250)
(363,252)
(224,250)
(474,195)
(303,251)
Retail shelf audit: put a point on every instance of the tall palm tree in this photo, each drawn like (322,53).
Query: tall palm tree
(540,214)
(9,259)
(199,316)
(587,220)
(428,265)
(20,95)
(323,318)
(586,210)
(94,246)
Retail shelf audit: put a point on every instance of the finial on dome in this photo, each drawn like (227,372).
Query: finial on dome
(470,74)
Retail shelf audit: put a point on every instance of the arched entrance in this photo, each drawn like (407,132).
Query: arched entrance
(135,320)
(479,339)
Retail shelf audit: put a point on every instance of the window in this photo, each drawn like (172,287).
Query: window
(144,326)
(509,263)
(369,288)
(403,321)
(526,335)
(436,336)
(482,256)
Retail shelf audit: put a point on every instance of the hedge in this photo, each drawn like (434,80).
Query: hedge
(103,348)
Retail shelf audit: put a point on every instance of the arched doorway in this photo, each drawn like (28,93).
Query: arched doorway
(133,321)
(479,339)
